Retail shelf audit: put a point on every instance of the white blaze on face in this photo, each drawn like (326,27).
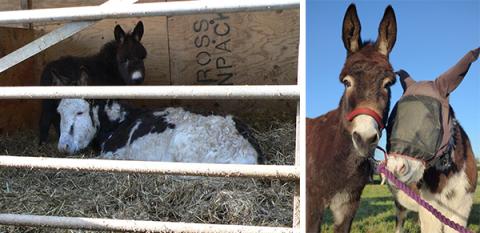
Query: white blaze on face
(367,128)
(405,169)
(136,75)
(76,126)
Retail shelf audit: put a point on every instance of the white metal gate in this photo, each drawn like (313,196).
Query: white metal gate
(90,15)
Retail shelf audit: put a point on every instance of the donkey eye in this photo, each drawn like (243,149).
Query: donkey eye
(79,113)
(347,83)
(387,83)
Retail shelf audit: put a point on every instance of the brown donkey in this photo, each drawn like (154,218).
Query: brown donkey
(340,143)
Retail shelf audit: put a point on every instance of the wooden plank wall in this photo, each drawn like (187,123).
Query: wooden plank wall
(258,48)
(17,113)
(236,48)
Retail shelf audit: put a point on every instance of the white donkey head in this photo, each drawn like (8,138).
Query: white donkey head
(78,124)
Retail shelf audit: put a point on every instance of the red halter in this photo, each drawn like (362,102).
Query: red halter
(365,111)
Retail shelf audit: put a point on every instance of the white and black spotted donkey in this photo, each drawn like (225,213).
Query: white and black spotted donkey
(170,134)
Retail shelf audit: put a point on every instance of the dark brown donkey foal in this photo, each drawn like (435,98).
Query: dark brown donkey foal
(340,143)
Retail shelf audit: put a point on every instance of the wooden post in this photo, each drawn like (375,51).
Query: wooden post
(25,5)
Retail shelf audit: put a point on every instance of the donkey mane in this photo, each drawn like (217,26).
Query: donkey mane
(107,52)
(366,43)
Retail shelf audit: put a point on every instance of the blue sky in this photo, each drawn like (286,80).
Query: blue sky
(432,36)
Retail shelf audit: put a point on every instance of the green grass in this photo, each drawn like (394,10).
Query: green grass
(377,213)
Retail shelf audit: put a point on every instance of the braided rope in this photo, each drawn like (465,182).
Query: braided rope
(402,186)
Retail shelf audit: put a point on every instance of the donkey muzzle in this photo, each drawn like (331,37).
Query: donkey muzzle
(366,130)
(365,135)
(66,145)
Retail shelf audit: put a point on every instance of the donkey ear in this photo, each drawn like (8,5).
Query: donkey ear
(119,34)
(83,81)
(351,30)
(405,79)
(90,102)
(138,31)
(387,32)
(449,81)
(56,78)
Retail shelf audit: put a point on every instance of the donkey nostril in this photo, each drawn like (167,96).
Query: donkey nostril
(367,141)
(356,137)
(402,169)
(372,140)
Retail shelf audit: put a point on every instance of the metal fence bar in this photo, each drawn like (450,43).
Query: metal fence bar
(298,198)
(152,92)
(296,191)
(143,10)
(51,38)
(25,5)
(283,172)
(129,225)
(42,43)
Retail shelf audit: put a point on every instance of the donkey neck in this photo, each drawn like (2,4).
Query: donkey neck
(342,137)
(462,160)
(331,149)
(104,67)
(108,53)
(342,141)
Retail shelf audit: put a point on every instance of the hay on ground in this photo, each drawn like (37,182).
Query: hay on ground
(147,197)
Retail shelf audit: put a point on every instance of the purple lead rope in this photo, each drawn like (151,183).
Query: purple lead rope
(400,185)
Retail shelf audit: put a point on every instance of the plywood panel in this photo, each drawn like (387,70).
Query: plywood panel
(17,113)
(39,4)
(258,48)
(10,5)
(234,48)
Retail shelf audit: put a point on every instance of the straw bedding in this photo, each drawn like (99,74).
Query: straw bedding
(148,197)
